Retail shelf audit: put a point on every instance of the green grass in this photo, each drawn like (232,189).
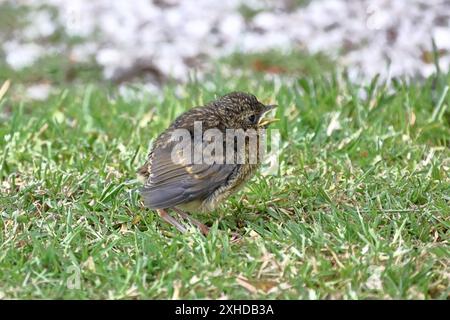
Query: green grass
(359,212)
(248,13)
(276,62)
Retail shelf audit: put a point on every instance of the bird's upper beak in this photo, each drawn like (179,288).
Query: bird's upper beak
(263,121)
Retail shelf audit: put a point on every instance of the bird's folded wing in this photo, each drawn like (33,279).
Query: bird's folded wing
(172,183)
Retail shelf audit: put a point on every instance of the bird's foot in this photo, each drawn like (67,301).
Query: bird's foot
(235,237)
(169,219)
(203,228)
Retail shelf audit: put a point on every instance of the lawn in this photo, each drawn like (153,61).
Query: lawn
(359,208)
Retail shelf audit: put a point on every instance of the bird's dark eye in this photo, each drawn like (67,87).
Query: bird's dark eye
(252,118)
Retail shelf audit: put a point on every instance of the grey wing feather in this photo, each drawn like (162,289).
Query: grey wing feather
(170,184)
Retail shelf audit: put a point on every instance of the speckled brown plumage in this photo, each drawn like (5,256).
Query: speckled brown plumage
(199,187)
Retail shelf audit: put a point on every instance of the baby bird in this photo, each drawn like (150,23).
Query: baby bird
(179,179)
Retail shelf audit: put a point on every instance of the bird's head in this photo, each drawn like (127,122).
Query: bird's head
(244,111)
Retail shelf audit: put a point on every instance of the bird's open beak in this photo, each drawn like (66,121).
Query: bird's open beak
(263,121)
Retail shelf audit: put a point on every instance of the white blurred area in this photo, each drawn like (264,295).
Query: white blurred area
(390,37)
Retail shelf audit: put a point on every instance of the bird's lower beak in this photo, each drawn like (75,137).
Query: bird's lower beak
(264,121)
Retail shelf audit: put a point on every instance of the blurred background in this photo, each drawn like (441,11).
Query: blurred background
(49,43)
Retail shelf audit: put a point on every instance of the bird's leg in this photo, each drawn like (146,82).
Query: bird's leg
(204,229)
(169,219)
(235,237)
